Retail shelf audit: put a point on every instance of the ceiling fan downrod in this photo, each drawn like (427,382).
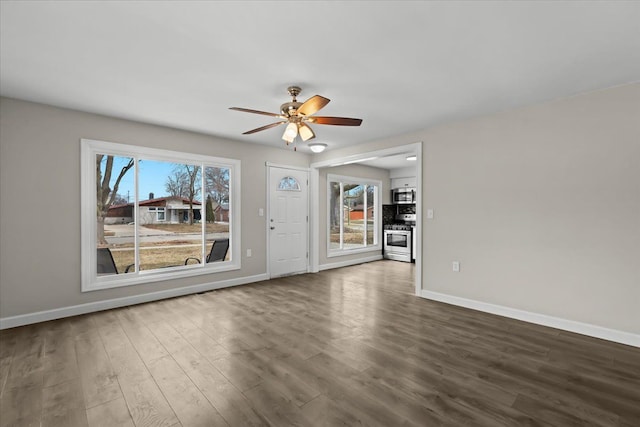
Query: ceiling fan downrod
(289,109)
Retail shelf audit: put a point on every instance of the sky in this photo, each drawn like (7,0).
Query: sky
(152,178)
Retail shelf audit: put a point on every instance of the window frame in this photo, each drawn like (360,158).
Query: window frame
(163,211)
(90,281)
(377,246)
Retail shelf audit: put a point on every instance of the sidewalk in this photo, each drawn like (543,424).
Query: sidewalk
(125,230)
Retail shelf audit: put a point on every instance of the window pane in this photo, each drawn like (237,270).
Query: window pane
(334,215)
(288,183)
(218,210)
(352,213)
(353,236)
(114,214)
(169,214)
(370,211)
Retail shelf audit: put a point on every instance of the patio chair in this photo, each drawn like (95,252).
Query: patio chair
(219,250)
(106,264)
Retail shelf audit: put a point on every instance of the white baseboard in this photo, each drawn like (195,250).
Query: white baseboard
(323,267)
(621,337)
(74,310)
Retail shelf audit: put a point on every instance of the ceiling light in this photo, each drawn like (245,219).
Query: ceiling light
(412,158)
(305,132)
(317,147)
(290,132)
(288,139)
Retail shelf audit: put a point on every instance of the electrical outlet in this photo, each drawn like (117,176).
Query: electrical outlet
(455,265)
(248,253)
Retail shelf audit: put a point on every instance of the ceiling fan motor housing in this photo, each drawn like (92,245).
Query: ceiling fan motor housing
(289,109)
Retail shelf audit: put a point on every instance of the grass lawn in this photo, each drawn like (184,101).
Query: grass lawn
(352,235)
(155,255)
(148,244)
(158,257)
(352,238)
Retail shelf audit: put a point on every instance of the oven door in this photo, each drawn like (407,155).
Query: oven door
(397,245)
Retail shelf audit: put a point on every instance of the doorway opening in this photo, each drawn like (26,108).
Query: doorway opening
(318,221)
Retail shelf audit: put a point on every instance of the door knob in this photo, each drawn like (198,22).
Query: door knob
(272,227)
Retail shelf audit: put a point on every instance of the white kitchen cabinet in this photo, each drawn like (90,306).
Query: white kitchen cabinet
(403,182)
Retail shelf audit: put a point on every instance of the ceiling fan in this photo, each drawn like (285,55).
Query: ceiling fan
(297,115)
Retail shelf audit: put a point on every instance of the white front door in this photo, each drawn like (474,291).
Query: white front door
(288,221)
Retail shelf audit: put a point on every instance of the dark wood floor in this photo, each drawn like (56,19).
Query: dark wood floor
(350,346)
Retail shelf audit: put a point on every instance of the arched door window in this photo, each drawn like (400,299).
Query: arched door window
(288,183)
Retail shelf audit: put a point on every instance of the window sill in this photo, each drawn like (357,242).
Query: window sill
(170,273)
(345,252)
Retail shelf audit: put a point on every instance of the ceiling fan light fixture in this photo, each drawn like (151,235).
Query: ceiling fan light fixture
(317,147)
(412,158)
(288,139)
(290,132)
(305,132)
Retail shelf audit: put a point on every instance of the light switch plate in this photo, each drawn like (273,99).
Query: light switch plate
(455,265)
(429,213)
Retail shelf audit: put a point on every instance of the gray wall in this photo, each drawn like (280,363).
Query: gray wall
(40,201)
(541,206)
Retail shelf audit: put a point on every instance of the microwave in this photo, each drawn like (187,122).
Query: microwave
(403,196)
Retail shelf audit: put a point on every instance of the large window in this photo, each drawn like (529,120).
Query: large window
(353,217)
(150,215)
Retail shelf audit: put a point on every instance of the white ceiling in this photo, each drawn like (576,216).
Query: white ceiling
(400,66)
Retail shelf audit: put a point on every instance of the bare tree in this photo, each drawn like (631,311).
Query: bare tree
(356,195)
(370,202)
(120,200)
(217,182)
(185,182)
(176,185)
(192,172)
(106,195)
(335,207)
(211,217)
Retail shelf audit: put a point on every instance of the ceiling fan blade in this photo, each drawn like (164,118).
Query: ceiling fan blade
(338,121)
(264,113)
(272,125)
(312,105)
(305,132)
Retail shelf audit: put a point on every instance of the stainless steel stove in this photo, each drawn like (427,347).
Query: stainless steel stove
(397,243)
